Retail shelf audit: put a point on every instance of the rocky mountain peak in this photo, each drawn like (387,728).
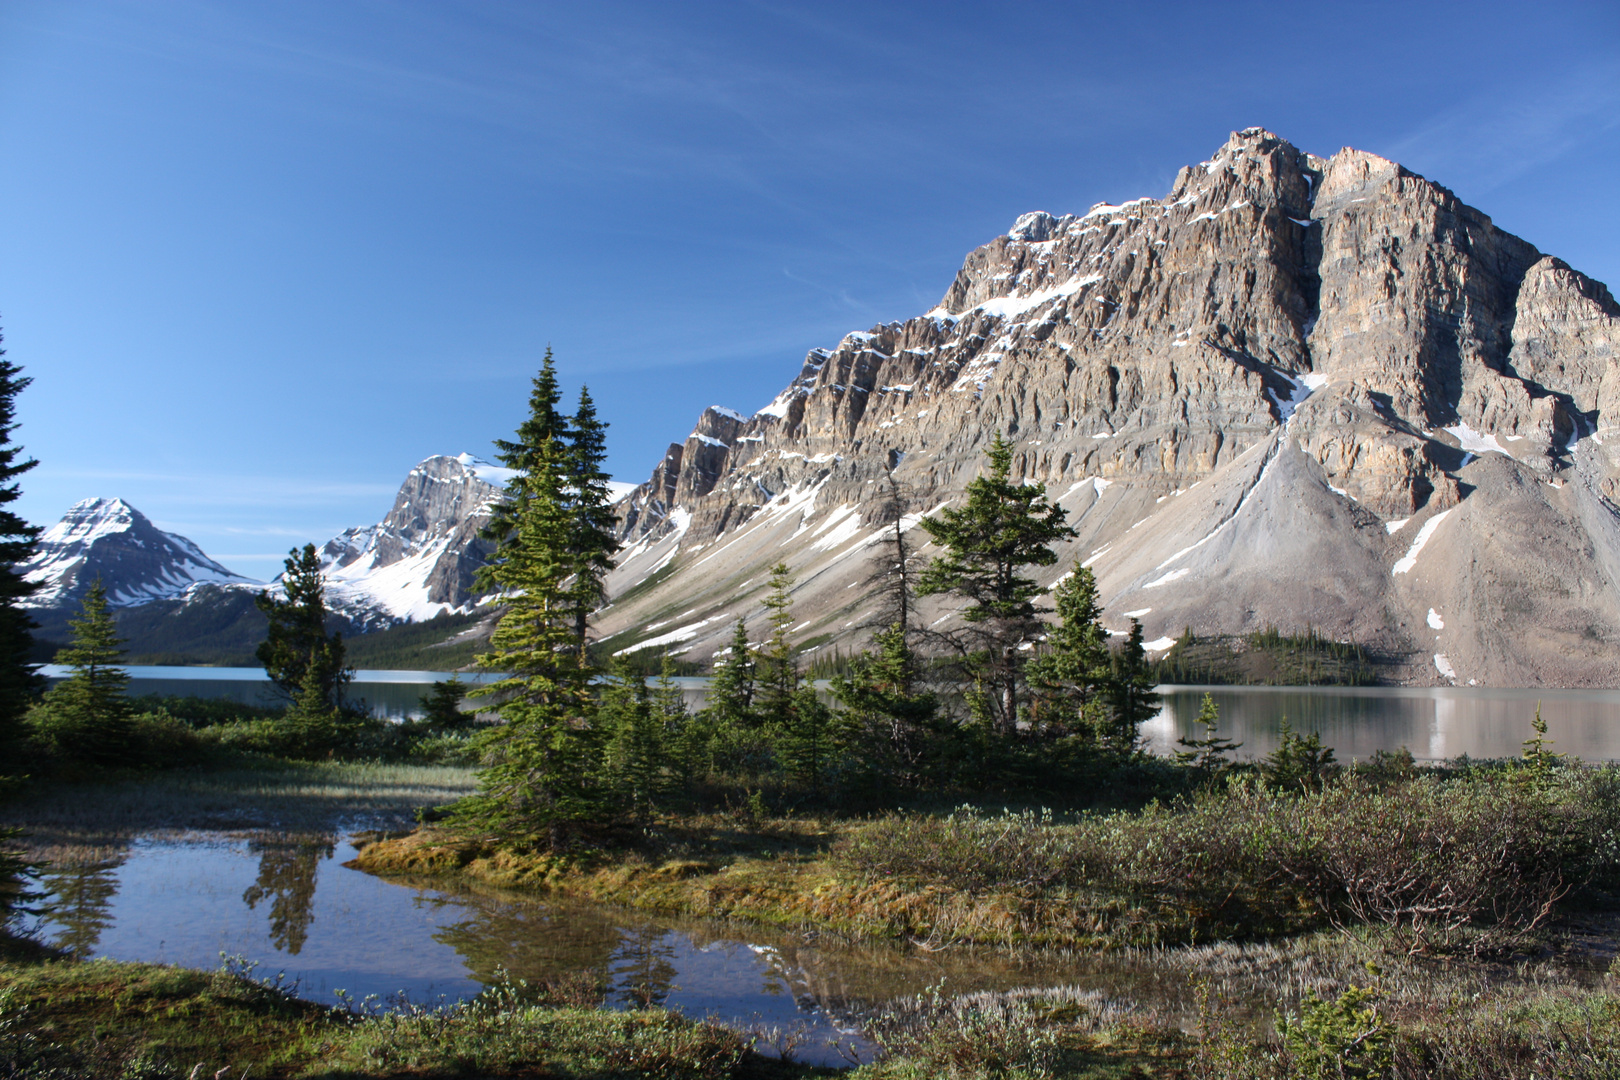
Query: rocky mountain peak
(1331,347)
(135,560)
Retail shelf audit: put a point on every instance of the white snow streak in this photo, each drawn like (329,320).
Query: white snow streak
(1405,564)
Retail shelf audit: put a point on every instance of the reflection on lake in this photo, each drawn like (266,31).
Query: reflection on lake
(287,901)
(1434,723)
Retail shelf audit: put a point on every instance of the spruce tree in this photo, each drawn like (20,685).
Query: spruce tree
(1003,528)
(522,453)
(892,582)
(1208,753)
(86,715)
(539,782)
(441,706)
(1132,700)
(899,737)
(637,742)
(20,682)
(593,543)
(297,652)
(779,675)
(1069,679)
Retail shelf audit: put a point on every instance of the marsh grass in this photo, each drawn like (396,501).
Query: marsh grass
(78,824)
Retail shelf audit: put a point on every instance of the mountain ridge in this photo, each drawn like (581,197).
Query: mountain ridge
(1291,365)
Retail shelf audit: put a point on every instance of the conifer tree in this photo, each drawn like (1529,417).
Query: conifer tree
(1069,680)
(1132,700)
(898,733)
(1003,528)
(86,714)
(592,544)
(637,746)
(297,648)
(779,680)
(441,706)
(731,690)
(522,453)
(539,782)
(1208,753)
(892,581)
(20,682)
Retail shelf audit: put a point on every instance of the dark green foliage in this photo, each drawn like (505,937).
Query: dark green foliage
(1300,763)
(86,716)
(898,733)
(419,646)
(441,707)
(523,453)
(298,654)
(539,782)
(1267,658)
(1131,698)
(591,543)
(1069,680)
(1209,753)
(19,683)
(1003,528)
(778,674)
(636,740)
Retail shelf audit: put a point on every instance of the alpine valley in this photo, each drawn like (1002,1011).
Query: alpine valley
(1297,392)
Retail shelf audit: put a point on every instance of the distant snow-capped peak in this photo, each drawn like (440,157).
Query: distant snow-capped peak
(136,561)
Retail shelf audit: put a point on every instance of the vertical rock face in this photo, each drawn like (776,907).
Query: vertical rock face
(135,560)
(1289,366)
(420,560)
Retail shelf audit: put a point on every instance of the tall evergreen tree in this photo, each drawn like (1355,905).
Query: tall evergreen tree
(1069,680)
(592,544)
(539,782)
(1003,528)
(297,652)
(779,679)
(86,715)
(20,682)
(522,453)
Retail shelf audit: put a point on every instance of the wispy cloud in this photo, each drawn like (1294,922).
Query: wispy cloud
(1511,130)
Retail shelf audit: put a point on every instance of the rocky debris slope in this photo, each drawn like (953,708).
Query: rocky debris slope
(135,560)
(1296,391)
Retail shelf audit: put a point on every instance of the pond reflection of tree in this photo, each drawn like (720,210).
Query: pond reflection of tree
(78,903)
(543,939)
(287,868)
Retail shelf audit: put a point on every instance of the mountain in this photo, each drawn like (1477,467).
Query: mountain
(419,561)
(136,561)
(1296,391)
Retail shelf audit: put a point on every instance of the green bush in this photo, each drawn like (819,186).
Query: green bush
(1478,860)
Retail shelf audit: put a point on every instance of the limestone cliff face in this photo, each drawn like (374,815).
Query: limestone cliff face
(1333,351)
(420,560)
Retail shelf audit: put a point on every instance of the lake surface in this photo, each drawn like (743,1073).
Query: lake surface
(1434,723)
(395,695)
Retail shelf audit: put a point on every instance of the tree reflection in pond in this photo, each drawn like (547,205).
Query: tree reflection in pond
(79,904)
(643,968)
(287,866)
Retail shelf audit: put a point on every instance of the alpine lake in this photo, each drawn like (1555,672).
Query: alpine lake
(275,895)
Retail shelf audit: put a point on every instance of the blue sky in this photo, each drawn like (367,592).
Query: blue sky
(261,258)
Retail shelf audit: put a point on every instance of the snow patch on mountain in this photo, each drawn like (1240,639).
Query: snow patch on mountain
(136,561)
